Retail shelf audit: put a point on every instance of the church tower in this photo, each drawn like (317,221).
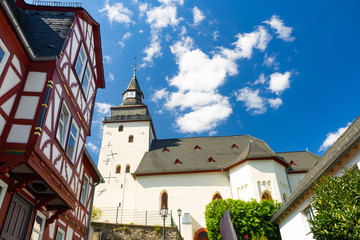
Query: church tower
(127,135)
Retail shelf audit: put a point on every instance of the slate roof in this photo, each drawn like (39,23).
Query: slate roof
(133,85)
(158,161)
(45,31)
(303,160)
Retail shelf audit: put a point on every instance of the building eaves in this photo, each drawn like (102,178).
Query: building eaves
(342,146)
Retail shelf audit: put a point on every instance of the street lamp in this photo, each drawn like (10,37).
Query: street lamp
(164,213)
(179,214)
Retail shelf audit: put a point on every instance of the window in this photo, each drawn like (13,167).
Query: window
(63,124)
(266,196)
(60,234)
(127,168)
(308,213)
(73,137)
(131,138)
(4,55)
(84,190)
(39,224)
(118,168)
(83,70)
(211,159)
(121,128)
(3,187)
(177,161)
(164,200)
(217,196)
(284,197)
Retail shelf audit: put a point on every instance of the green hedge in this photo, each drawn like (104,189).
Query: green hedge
(251,220)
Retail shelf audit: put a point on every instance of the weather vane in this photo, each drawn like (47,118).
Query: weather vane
(135,65)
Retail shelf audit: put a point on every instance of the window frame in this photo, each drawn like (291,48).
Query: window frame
(127,168)
(3,189)
(308,213)
(83,198)
(118,169)
(81,74)
(42,226)
(6,56)
(62,231)
(75,138)
(63,142)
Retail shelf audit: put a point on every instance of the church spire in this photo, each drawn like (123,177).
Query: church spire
(133,94)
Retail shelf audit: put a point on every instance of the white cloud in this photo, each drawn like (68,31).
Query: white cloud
(125,37)
(215,35)
(159,94)
(141,31)
(279,82)
(102,108)
(111,77)
(270,61)
(117,12)
(253,102)
(92,147)
(198,16)
(275,102)
(260,80)
(331,137)
(143,8)
(162,16)
(170,2)
(282,31)
(107,59)
(153,50)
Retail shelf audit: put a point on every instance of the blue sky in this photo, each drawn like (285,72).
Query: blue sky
(286,72)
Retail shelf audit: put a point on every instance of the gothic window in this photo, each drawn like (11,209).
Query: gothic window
(127,170)
(164,200)
(84,190)
(266,196)
(121,128)
(72,142)
(83,70)
(39,224)
(118,168)
(63,124)
(217,196)
(60,234)
(131,138)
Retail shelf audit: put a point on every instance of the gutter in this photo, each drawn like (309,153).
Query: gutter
(21,35)
(331,157)
(91,207)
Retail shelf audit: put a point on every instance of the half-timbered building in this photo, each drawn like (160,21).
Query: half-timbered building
(50,70)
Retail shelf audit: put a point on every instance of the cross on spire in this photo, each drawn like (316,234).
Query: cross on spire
(135,67)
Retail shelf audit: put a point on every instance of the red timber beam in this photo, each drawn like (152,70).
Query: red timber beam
(58,211)
(22,179)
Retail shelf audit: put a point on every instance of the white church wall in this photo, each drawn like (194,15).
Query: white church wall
(294,179)
(241,184)
(190,192)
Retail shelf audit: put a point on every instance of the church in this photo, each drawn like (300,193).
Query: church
(143,174)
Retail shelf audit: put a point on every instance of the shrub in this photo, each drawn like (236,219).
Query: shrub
(96,214)
(157,229)
(251,220)
(336,201)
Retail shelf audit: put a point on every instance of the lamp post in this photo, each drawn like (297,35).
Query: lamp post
(164,213)
(179,214)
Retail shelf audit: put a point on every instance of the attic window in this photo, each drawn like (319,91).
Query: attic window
(177,161)
(165,149)
(234,146)
(197,147)
(292,163)
(211,159)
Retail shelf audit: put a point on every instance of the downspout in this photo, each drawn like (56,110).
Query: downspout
(21,35)
(91,206)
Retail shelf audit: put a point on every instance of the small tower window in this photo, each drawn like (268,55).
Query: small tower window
(217,196)
(234,146)
(211,159)
(121,128)
(165,149)
(197,147)
(177,161)
(118,168)
(131,138)
(127,168)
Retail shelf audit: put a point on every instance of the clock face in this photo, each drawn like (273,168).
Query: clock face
(131,94)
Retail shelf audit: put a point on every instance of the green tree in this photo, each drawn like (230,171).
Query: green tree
(336,201)
(251,220)
(96,214)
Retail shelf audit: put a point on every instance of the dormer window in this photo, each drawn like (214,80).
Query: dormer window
(177,161)
(211,159)
(197,147)
(234,146)
(165,149)
(83,70)
(292,163)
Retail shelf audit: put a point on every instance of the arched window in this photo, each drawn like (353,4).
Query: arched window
(217,196)
(118,168)
(121,128)
(284,197)
(164,200)
(266,196)
(201,234)
(127,170)
(131,138)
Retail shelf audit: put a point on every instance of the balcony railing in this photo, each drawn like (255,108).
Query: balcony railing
(127,118)
(57,4)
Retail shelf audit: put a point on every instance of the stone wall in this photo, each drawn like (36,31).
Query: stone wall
(112,231)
